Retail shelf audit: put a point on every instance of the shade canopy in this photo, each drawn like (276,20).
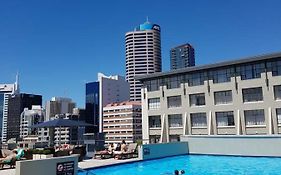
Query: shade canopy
(61,123)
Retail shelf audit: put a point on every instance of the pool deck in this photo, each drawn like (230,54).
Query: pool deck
(8,171)
(94,163)
(90,163)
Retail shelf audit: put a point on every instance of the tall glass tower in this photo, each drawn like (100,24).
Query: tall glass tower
(143,55)
(182,56)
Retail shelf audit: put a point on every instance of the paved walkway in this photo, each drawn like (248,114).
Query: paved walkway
(93,163)
(8,172)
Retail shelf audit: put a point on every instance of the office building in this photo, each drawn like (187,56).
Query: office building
(16,104)
(69,135)
(107,89)
(182,56)
(122,121)
(30,117)
(143,55)
(240,97)
(58,105)
(6,90)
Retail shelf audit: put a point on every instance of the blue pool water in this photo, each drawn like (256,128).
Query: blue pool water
(197,165)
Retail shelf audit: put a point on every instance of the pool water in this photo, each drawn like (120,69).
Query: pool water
(196,165)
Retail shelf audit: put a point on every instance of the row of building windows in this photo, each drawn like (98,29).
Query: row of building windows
(220,97)
(249,71)
(226,118)
(120,121)
(123,132)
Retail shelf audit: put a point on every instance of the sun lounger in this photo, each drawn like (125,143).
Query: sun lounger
(12,161)
(104,154)
(130,153)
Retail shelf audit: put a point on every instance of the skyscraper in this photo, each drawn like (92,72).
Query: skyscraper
(143,55)
(182,56)
(6,90)
(108,89)
(16,104)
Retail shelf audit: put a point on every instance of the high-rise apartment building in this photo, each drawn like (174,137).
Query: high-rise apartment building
(6,90)
(122,121)
(182,56)
(30,117)
(16,104)
(143,55)
(107,89)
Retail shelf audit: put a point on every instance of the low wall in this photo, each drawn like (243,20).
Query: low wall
(234,145)
(49,166)
(160,150)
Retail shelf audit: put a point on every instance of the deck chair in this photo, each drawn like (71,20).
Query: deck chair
(12,161)
(130,153)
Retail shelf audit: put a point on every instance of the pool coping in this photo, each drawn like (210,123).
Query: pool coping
(130,162)
(198,154)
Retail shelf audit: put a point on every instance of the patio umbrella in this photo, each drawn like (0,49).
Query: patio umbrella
(58,123)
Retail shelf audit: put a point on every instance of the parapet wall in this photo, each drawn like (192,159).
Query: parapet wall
(234,145)
(49,166)
(160,150)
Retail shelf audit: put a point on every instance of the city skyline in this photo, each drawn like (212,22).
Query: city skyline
(58,47)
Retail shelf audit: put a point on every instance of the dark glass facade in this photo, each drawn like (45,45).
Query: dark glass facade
(16,104)
(182,56)
(92,106)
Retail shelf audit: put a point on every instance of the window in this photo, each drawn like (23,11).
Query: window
(198,119)
(278,115)
(152,85)
(155,121)
(173,82)
(154,138)
(197,99)
(223,97)
(277,92)
(275,67)
(252,94)
(222,75)
(175,120)
(174,101)
(174,138)
(254,117)
(196,79)
(251,71)
(153,103)
(225,118)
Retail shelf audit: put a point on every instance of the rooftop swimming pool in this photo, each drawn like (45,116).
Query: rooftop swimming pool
(195,165)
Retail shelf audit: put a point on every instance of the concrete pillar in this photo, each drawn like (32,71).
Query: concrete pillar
(238,123)
(210,123)
(269,121)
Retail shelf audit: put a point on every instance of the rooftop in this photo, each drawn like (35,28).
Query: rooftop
(123,103)
(210,66)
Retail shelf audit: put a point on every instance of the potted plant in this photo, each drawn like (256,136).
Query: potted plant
(46,154)
(41,154)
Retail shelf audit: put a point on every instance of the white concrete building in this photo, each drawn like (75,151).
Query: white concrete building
(29,118)
(6,90)
(240,97)
(122,121)
(143,55)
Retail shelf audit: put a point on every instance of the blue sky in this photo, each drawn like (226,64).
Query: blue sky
(57,46)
